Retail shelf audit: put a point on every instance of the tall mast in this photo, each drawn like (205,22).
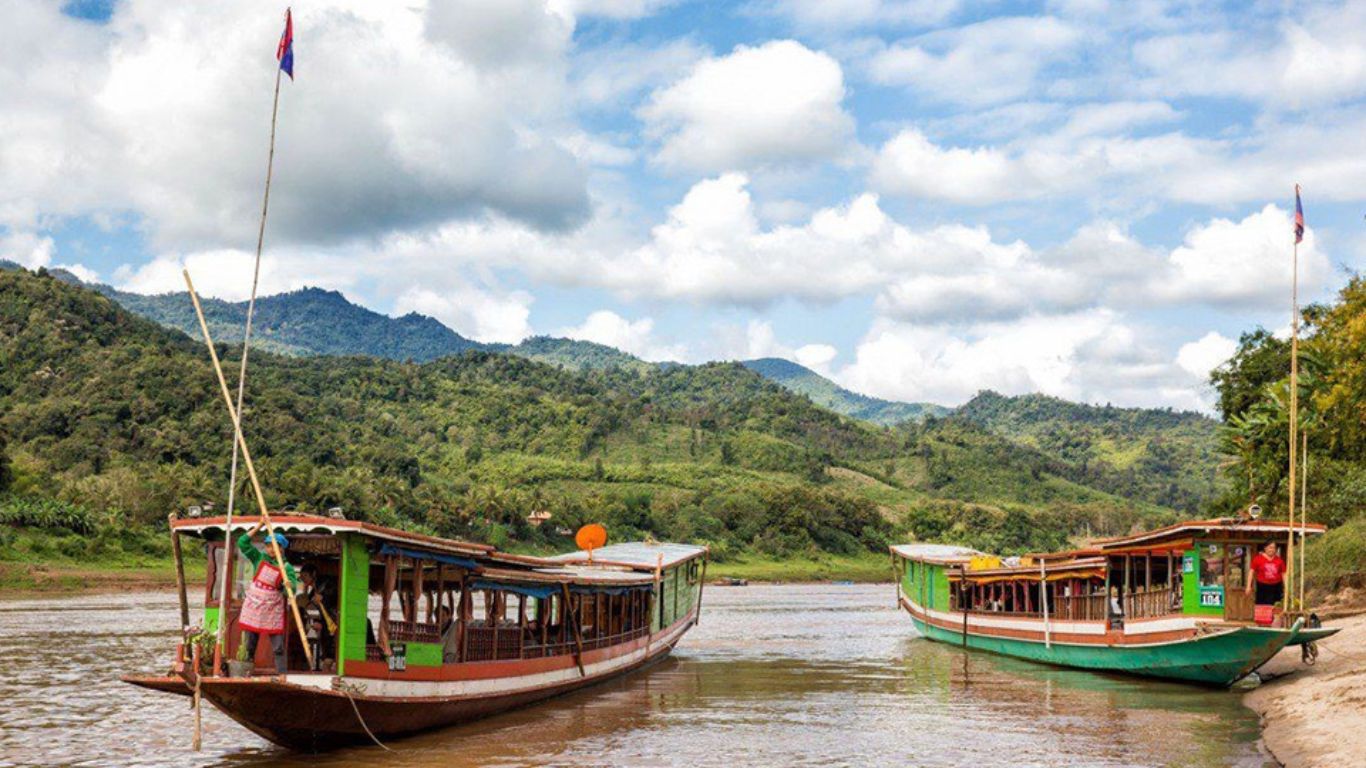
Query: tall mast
(1294,399)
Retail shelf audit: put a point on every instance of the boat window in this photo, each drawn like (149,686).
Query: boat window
(1239,557)
(241,574)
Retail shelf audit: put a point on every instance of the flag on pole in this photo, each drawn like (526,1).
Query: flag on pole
(1299,216)
(285,53)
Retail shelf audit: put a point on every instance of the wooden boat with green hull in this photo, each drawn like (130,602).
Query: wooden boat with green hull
(1170,603)
(417,632)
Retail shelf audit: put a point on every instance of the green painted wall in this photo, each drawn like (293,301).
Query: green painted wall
(424,654)
(353,602)
(1190,585)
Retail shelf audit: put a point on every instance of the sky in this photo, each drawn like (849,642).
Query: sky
(920,200)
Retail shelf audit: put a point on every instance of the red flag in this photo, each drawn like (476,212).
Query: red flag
(1299,216)
(285,52)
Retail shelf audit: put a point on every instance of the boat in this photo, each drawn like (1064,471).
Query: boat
(521,629)
(1169,603)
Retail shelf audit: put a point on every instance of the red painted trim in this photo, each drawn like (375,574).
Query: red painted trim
(487,670)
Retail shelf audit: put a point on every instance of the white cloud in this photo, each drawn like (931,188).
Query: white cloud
(912,165)
(634,336)
(399,116)
(1091,356)
(817,357)
(28,249)
(1317,57)
(775,104)
(1203,355)
(989,62)
(479,314)
(1242,264)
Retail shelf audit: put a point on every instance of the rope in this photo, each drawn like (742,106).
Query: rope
(345,689)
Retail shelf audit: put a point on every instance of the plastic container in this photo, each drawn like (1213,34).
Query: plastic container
(1264,615)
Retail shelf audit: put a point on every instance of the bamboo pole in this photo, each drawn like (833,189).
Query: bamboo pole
(251,471)
(246,344)
(1304,512)
(1294,412)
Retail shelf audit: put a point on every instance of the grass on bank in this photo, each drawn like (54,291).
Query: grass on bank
(863,567)
(41,561)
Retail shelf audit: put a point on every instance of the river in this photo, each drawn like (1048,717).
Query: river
(772,676)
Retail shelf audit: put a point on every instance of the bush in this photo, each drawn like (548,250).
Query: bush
(49,514)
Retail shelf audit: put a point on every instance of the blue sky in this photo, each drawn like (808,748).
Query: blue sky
(918,199)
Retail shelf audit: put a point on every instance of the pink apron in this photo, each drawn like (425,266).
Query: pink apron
(263,609)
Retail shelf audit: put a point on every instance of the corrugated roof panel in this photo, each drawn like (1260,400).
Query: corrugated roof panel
(935,552)
(636,553)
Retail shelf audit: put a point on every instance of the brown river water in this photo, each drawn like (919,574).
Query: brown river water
(772,676)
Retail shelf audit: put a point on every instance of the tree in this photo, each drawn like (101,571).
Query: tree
(6,473)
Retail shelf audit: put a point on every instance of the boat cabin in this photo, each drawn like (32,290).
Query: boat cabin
(1198,569)
(396,604)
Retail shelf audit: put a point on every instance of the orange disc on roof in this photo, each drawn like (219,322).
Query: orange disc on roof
(591,536)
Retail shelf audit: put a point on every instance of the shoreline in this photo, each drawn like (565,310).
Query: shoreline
(1311,716)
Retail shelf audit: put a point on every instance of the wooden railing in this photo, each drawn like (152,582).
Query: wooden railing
(414,632)
(1080,608)
(1150,603)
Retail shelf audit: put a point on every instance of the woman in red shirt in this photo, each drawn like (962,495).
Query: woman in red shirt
(1268,571)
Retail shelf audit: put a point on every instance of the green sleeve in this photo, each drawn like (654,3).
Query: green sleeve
(251,553)
(293,576)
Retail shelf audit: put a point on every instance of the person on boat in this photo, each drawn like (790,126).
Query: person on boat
(317,601)
(263,609)
(449,635)
(1268,571)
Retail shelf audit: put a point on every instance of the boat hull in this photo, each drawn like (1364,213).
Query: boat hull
(309,718)
(1219,658)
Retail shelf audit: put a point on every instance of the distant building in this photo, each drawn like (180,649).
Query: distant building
(538,517)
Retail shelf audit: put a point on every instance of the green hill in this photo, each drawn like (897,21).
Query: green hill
(828,394)
(1165,457)
(116,420)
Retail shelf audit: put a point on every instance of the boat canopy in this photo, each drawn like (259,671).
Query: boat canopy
(635,554)
(1091,567)
(618,567)
(1183,533)
(942,554)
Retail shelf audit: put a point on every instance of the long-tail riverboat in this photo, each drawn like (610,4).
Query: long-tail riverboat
(423,632)
(1170,603)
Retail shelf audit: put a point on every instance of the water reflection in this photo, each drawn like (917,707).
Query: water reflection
(794,675)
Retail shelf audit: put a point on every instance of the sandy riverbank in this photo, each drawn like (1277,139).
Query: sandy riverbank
(1315,716)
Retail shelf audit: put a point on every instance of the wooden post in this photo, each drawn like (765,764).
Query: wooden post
(702,582)
(179,577)
(574,626)
(251,470)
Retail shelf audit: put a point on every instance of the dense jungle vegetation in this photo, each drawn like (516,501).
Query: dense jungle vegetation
(111,421)
(1254,390)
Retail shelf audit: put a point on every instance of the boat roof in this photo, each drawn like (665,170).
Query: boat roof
(1079,566)
(1184,530)
(936,553)
(636,554)
(617,563)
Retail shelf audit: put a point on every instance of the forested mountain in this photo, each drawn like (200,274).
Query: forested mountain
(828,394)
(1165,457)
(117,420)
